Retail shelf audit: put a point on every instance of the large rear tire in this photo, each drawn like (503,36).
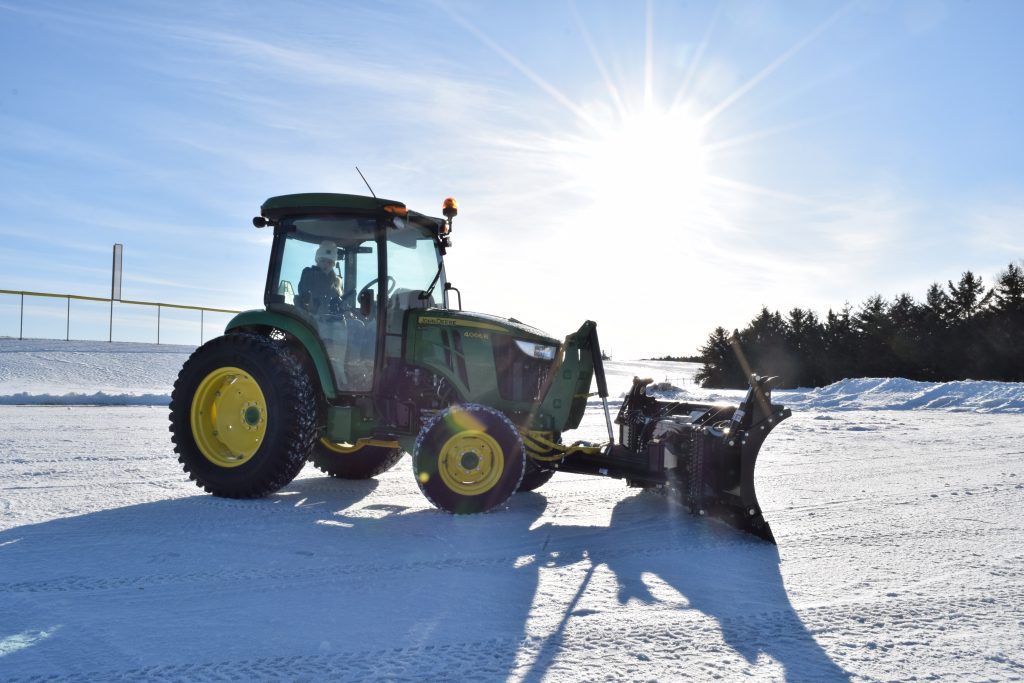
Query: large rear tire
(468,459)
(367,462)
(243,416)
(535,476)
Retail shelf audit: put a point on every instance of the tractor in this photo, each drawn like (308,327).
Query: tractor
(367,360)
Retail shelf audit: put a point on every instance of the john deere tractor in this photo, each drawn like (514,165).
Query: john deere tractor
(354,366)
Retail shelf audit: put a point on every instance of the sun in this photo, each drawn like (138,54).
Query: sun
(652,161)
(654,153)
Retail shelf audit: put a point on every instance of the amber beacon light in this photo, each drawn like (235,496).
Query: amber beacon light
(450,208)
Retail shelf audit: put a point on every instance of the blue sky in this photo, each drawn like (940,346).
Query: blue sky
(659,167)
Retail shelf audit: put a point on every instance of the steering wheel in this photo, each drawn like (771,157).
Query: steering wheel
(371,283)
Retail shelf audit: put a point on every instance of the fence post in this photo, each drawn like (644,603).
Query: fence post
(67,332)
(158,323)
(21,318)
(202,312)
(111,339)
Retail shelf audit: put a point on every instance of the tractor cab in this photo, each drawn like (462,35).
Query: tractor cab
(350,267)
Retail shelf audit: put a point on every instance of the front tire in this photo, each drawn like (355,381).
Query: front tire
(243,416)
(367,462)
(469,459)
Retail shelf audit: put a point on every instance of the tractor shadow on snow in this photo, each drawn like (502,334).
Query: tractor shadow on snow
(321,578)
(730,577)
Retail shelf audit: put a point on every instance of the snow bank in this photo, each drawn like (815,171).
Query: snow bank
(904,394)
(47,372)
(872,393)
(75,399)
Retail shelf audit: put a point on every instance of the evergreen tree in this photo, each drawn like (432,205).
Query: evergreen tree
(965,331)
(764,342)
(840,346)
(905,341)
(721,369)
(971,356)
(805,340)
(1005,328)
(873,328)
(938,304)
(936,316)
(1008,295)
(968,297)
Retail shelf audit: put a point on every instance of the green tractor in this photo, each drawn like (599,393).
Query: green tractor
(359,357)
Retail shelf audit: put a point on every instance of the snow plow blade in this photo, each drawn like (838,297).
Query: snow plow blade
(704,453)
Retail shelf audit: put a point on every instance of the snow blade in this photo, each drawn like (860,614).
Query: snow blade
(704,452)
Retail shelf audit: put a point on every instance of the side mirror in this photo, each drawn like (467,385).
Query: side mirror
(366,302)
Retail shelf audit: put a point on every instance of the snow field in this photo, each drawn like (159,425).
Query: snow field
(900,557)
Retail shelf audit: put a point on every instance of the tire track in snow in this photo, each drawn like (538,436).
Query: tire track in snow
(569,553)
(676,635)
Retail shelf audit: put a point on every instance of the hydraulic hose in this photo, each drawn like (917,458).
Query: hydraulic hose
(602,383)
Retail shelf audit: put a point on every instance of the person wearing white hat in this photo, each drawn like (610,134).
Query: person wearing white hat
(320,285)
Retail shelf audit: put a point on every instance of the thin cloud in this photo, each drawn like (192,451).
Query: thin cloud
(774,65)
(694,65)
(997,227)
(595,55)
(518,64)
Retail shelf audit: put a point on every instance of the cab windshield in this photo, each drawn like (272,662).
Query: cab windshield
(415,265)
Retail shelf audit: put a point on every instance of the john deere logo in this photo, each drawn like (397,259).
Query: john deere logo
(438,321)
(455,322)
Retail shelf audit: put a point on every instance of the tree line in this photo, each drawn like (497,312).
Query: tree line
(960,331)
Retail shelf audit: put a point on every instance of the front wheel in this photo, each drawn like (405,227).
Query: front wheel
(468,459)
(243,416)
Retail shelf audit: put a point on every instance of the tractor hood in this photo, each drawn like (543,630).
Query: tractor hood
(484,322)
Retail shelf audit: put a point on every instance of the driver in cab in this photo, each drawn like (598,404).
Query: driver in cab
(320,285)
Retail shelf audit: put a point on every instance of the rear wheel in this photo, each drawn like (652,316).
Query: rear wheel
(535,476)
(243,416)
(367,462)
(469,458)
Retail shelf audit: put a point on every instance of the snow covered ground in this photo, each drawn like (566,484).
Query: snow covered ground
(896,505)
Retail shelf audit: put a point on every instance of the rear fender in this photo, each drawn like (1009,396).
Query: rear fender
(298,330)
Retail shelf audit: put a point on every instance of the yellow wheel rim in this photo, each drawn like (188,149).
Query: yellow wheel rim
(471,463)
(229,417)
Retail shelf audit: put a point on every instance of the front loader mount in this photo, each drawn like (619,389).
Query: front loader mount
(706,453)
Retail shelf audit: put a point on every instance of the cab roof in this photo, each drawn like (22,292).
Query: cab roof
(322,202)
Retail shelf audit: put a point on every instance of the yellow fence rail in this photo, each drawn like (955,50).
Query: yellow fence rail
(203,310)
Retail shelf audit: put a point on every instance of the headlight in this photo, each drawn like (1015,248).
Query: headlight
(537,350)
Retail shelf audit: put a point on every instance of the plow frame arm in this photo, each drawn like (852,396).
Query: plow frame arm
(565,399)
